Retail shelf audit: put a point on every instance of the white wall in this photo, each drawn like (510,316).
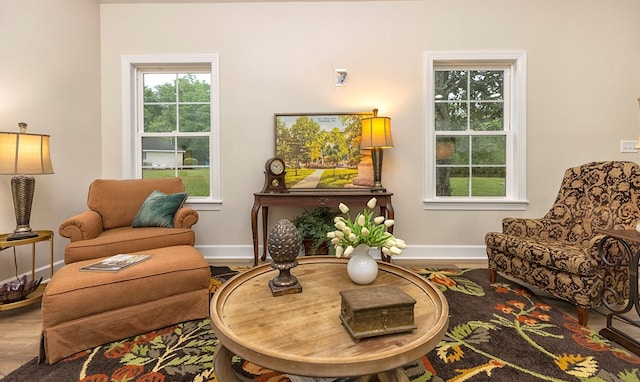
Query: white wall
(50,79)
(583,81)
(584,77)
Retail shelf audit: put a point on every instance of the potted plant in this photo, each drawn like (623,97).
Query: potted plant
(313,227)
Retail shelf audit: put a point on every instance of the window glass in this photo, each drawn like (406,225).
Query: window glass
(475,130)
(468,103)
(175,138)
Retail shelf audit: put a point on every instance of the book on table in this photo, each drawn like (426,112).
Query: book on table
(115,263)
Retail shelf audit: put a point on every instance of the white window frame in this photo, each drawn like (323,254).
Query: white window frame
(131,160)
(515,120)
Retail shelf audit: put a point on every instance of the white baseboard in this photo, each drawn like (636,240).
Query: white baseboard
(244,253)
(234,254)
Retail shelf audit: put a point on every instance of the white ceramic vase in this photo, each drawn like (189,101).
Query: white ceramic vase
(362,268)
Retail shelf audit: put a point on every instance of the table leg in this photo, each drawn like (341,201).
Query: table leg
(33,261)
(610,332)
(254,231)
(51,257)
(222,365)
(222,359)
(265,219)
(396,375)
(387,212)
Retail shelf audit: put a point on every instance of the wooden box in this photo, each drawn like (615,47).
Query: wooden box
(375,311)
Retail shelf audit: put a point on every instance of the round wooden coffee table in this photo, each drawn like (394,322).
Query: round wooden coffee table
(302,333)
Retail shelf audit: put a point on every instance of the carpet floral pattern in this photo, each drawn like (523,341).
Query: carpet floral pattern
(497,332)
(543,344)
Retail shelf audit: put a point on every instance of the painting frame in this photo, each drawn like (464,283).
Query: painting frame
(322,151)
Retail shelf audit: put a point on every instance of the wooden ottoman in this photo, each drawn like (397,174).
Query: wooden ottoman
(84,309)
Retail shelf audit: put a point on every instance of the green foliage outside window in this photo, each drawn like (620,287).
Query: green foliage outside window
(177,126)
(470,139)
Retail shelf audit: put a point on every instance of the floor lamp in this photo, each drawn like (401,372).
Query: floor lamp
(376,136)
(24,155)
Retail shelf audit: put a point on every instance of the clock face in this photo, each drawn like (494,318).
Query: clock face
(276,166)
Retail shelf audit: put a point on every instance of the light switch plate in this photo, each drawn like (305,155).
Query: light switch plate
(628,146)
(341,77)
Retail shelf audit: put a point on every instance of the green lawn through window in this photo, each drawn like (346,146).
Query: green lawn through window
(196,181)
(481,186)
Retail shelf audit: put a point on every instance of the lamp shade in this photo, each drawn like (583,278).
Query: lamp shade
(24,154)
(376,132)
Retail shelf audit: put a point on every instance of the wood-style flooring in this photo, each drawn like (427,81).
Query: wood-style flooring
(20,328)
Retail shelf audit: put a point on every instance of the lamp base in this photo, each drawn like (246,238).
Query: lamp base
(21,235)
(376,158)
(22,189)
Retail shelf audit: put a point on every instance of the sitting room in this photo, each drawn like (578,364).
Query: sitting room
(505,171)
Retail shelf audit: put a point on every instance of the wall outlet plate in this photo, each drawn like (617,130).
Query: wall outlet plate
(628,146)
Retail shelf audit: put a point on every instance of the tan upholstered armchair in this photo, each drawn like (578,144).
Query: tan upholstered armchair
(558,253)
(106,228)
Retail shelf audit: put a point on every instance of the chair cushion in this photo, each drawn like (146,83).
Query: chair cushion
(559,255)
(127,240)
(159,209)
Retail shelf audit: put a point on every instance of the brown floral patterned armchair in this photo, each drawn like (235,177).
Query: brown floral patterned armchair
(558,253)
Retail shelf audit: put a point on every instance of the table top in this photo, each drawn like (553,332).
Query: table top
(624,234)
(42,235)
(302,333)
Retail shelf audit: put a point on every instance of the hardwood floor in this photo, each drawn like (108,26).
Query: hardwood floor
(19,337)
(20,334)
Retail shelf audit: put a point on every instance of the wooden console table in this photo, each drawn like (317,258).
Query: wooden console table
(631,263)
(310,198)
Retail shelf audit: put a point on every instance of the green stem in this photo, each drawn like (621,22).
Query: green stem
(170,351)
(512,365)
(519,330)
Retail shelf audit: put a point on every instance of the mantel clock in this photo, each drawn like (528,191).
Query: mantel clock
(274,176)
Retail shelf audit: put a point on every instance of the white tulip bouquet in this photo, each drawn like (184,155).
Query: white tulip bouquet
(364,229)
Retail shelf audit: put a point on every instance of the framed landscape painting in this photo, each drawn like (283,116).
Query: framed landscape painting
(322,151)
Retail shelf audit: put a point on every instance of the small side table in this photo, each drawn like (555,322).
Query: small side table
(624,237)
(43,235)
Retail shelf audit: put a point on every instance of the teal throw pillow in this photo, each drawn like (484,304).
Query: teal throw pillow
(159,209)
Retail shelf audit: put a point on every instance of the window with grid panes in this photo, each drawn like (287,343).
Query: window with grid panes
(174,124)
(475,122)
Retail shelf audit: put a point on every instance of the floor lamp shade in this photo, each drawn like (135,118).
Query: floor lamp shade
(376,135)
(24,155)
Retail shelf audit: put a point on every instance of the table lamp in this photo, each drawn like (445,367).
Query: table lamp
(23,155)
(376,135)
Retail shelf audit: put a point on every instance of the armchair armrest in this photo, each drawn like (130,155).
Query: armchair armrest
(86,225)
(185,217)
(523,227)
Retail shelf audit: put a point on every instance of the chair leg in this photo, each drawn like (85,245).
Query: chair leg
(493,275)
(583,315)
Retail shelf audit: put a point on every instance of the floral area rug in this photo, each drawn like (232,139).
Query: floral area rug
(497,332)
